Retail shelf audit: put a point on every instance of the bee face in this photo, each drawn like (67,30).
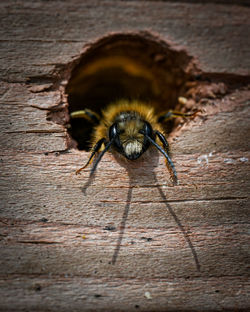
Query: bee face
(128,134)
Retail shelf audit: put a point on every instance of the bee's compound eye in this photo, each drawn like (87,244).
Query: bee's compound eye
(113,131)
(147,129)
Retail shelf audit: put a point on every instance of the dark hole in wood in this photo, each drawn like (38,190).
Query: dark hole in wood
(126,66)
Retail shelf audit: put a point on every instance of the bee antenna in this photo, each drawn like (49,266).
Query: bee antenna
(169,161)
(98,159)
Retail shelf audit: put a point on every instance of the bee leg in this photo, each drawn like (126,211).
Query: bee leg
(95,149)
(87,114)
(174,114)
(163,150)
(169,162)
(163,140)
(107,146)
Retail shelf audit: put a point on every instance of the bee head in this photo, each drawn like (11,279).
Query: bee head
(129,137)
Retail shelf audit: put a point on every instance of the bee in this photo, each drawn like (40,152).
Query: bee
(129,128)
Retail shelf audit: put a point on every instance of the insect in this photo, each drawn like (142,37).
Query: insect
(129,128)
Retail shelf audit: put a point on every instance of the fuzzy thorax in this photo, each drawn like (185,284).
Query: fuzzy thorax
(130,116)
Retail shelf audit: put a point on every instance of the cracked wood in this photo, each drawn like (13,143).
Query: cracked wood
(70,243)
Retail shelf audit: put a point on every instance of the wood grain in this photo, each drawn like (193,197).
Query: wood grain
(70,243)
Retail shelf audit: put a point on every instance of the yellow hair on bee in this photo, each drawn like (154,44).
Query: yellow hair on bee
(145,111)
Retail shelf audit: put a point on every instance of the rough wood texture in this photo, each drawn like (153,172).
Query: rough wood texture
(126,240)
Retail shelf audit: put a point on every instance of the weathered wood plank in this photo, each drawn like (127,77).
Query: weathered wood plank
(157,252)
(90,294)
(69,243)
(57,173)
(49,34)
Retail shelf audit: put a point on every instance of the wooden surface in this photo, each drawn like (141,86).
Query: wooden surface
(126,240)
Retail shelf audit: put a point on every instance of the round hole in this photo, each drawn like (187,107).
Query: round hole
(126,66)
